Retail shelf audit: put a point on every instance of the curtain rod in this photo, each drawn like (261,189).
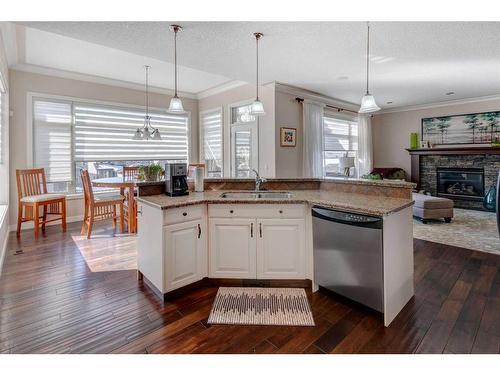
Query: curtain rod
(300,100)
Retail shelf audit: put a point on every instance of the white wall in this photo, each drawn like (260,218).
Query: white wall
(21,83)
(266,123)
(4,167)
(391,131)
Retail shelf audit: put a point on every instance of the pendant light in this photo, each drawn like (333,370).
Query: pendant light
(257,108)
(147,131)
(175,102)
(368,103)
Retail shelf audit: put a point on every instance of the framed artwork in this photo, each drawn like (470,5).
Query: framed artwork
(288,137)
(473,128)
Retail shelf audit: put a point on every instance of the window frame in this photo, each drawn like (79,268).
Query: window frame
(230,124)
(31,96)
(350,120)
(201,140)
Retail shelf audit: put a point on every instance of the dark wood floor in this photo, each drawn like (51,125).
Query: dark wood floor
(51,302)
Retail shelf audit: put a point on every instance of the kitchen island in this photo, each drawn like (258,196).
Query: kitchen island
(183,240)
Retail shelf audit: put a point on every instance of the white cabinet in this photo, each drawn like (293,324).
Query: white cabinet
(257,241)
(185,253)
(232,248)
(172,246)
(281,249)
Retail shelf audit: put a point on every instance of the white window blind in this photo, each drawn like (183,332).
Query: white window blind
(105,133)
(52,139)
(340,138)
(211,125)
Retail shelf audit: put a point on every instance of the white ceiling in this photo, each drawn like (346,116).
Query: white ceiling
(412,62)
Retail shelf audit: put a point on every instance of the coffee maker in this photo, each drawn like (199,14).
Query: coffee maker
(176,179)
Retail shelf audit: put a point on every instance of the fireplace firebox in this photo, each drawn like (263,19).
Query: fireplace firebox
(460,183)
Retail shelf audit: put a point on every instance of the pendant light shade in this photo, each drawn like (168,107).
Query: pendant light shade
(147,131)
(368,103)
(175,102)
(156,135)
(137,135)
(257,108)
(175,105)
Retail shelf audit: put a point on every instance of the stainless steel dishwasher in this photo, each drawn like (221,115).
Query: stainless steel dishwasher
(348,255)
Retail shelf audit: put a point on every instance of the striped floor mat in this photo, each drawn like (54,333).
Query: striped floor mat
(261,306)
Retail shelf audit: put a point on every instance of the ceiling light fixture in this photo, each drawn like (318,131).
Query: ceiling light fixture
(147,131)
(368,103)
(175,102)
(257,108)
(450,93)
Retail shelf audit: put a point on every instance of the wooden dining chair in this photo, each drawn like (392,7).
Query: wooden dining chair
(130,173)
(99,208)
(32,194)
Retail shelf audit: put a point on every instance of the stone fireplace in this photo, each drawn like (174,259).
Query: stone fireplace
(460,183)
(461,174)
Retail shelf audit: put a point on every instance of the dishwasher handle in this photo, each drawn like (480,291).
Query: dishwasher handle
(347,218)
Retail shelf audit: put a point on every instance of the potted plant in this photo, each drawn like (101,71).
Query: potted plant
(150,172)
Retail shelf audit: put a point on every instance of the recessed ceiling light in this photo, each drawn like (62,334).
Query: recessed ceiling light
(450,93)
(343,78)
(389,102)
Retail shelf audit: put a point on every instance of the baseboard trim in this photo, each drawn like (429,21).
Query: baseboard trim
(3,246)
(3,251)
(30,225)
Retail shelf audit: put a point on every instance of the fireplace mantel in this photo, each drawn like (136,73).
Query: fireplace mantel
(417,153)
(483,150)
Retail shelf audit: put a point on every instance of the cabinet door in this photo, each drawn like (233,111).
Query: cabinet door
(232,248)
(280,249)
(185,257)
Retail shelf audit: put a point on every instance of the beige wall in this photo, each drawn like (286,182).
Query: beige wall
(21,83)
(391,131)
(266,123)
(289,115)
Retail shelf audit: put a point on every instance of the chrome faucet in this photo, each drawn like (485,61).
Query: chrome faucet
(258,180)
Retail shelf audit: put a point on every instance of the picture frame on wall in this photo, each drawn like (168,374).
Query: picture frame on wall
(472,128)
(288,137)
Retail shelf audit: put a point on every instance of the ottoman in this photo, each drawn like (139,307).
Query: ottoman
(429,207)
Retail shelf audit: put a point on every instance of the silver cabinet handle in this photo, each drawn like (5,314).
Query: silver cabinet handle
(251,230)
(199,230)
(260,229)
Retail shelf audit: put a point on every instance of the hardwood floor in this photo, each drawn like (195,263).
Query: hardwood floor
(51,301)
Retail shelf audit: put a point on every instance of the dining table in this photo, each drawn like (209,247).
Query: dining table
(127,188)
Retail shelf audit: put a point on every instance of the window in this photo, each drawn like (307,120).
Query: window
(2,137)
(52,143)
(69,136)
(211,144)
(244,142)
(340,138)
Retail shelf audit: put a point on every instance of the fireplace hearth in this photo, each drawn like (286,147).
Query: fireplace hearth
(460,183)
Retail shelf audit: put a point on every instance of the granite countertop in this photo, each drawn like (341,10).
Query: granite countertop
(357,203)
(339,180)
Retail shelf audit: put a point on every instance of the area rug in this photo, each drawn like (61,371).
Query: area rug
(476,230)
(261,306)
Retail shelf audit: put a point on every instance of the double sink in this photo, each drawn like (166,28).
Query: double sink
(257,195)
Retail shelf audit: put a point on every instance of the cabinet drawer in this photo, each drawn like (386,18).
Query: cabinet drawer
(271,211)
(183,214)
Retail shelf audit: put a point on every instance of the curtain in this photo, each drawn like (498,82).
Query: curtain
(312,161)
(365,147)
